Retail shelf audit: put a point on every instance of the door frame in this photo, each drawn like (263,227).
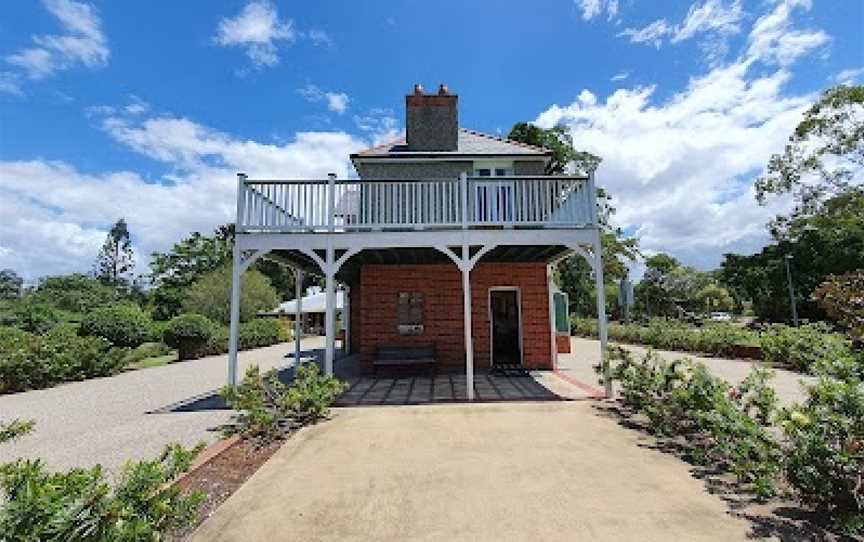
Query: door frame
(492,322)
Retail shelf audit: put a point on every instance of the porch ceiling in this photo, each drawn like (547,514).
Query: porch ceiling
(396,256)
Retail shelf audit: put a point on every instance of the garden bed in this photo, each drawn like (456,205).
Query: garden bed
(221,474)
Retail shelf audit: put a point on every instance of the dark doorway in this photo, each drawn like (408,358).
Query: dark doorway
(506,347)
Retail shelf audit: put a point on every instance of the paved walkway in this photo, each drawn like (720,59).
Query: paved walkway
(495,471)
(585,353)
(130,415)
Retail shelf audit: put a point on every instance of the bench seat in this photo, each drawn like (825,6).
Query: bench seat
(393,356)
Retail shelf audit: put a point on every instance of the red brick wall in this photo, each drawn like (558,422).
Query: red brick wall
(563,343)
(374,310)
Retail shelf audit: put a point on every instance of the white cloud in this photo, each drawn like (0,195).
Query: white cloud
(712,16)
(258,29)
(774,40)
(593,8)
(846,77)
(620,76)
(320,38)
(56,217)
(714,19)
(336,101)
(380,124)
(681,170)
(10,84)
(83,43)
(653,33)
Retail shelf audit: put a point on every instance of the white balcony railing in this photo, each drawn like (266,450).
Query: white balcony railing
(332,205)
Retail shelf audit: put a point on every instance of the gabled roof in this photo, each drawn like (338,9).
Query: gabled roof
(470,143)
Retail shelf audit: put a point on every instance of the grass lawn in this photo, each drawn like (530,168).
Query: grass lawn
(155,361)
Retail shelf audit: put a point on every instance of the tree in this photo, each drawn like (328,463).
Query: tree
(210,295)
(116,259)
(573,274)
(10,284)
(174,271)
(822,160)
(830,243)
(715,297)
(560,142)
(842,297)
(75,293)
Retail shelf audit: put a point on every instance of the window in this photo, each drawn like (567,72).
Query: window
(484,172)
(410,313)
(500,172)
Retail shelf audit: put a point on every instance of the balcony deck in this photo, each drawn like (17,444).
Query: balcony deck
(363,205)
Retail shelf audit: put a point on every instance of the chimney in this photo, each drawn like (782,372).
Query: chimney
(432,120)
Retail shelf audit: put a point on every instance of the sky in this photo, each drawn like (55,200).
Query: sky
(147,110)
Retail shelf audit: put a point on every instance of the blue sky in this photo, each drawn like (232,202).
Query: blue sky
(145,110)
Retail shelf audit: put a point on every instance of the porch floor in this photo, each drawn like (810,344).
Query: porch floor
(442,388)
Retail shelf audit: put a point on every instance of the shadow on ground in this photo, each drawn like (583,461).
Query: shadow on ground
(393,389)
(778,518)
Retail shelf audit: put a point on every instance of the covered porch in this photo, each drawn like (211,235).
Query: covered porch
(556,219)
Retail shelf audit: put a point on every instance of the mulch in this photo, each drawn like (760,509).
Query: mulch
(221,476)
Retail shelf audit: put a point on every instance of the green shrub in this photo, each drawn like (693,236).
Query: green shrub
(218,342)
(35,317)
(718,339)
(825,456)
(81,504)
(189,334)
(268,409)
(121,325)
(15,429)
(811,348)
(711,419)
(32,361)
(262,332)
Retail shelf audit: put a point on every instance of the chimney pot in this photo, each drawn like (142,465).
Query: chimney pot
(418,89)
(442,90)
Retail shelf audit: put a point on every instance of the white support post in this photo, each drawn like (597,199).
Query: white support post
(465,267)
(346,320)
(236,274)
(552,327)
(331,201)
(329,315)
(234,333)
(298,314)
(602,324)
(463,194)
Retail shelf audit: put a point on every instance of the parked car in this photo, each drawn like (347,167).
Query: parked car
(721,317)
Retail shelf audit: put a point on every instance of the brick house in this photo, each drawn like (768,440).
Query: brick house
(440,196)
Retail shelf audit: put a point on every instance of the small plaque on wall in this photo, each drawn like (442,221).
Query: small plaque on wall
(410,313)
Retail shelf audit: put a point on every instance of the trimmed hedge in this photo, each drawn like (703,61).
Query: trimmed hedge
(255,334)
(810,348)
(717,339)
(189,334)
(121,325)
(30,361)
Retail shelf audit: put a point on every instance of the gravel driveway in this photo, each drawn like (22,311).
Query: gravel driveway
(110,420)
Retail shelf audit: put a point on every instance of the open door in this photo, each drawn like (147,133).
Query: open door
(506,328)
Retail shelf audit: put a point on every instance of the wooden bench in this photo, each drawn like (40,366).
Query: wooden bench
(402,356)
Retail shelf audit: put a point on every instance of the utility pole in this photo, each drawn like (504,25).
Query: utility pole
(791,291)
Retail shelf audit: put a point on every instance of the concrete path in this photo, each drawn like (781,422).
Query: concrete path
(109,420)
(585,353)
(497,472)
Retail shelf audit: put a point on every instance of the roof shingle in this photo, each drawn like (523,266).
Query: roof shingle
(470,142)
